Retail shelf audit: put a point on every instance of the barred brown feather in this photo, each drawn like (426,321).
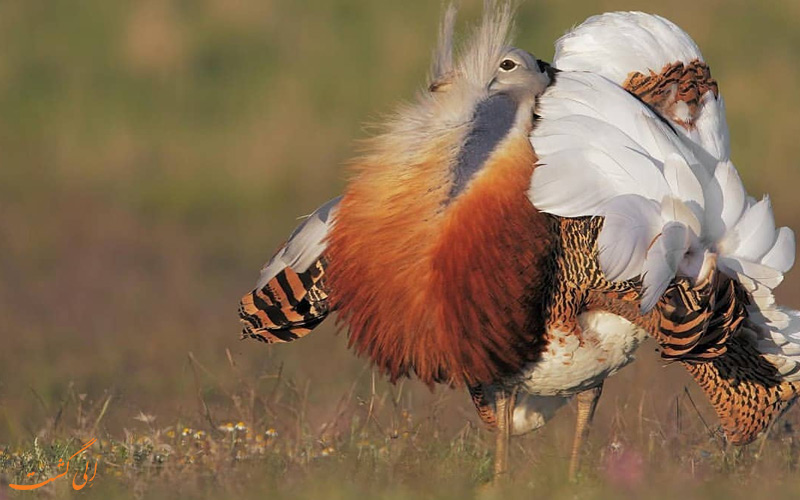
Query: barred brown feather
(747,392)
(483,406)
(698,320)
(288,307)
(677,87)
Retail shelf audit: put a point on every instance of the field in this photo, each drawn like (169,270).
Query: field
(153,155)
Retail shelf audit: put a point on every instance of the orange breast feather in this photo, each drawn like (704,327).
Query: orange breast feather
(452,291)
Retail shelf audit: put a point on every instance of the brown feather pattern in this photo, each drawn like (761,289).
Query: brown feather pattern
(675,84)
(702,327)
(746,391)
(698,320)
(288,307)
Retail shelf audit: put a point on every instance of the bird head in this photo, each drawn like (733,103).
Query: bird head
(520,75)
(480,92)
(486,66)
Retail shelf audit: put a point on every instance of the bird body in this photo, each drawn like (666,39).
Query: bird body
(439,261)
(572,364)
(521,229)
(593,329)
(440,264)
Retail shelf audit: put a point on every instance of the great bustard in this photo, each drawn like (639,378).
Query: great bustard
(442,267)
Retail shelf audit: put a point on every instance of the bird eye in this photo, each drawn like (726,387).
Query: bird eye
(508,65)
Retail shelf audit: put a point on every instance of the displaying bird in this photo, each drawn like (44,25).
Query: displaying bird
(438,220)
(440,264)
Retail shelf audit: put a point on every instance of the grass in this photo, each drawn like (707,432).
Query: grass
(383,444)
(155,153)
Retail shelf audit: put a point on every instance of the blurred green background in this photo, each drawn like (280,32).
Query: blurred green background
(154,154)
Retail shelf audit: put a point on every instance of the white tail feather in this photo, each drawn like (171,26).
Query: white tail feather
(782,255)
(617,44)
(637,222)
(704,208)
(781,343)
(662,262)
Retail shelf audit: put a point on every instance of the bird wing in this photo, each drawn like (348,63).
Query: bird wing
(753,368)
(592,148)
(599,148)
(603,153)
(658,62)
(291,298)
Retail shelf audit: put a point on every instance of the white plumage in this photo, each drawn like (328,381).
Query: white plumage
(673,202)
(602,152)
(616,44)
(572,365)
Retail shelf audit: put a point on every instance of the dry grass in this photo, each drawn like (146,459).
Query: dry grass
(379,441)
(153,156)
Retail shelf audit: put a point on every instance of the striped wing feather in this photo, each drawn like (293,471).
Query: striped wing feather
(696,321)
(287,307)
(291,296)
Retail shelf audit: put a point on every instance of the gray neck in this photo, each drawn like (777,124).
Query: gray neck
(494,118)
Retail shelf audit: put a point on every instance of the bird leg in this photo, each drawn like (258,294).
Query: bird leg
(504,409)
(587,403)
